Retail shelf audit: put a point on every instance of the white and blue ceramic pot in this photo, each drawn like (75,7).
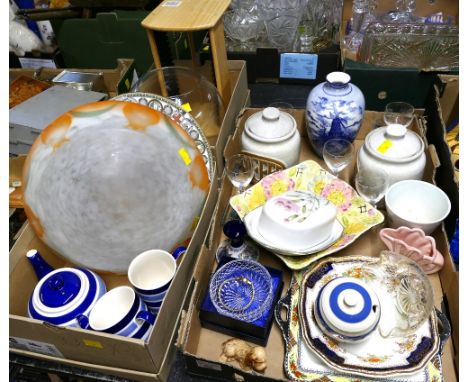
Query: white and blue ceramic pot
(62,294)
(151,274)
(122,312)
(347,309)
(334,109)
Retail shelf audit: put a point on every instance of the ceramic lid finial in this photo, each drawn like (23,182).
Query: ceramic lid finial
(271,113)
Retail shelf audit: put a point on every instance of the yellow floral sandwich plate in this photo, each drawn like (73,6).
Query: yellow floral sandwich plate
(301,364)
(352,212)
(108,180)
(379,355)
(177,114)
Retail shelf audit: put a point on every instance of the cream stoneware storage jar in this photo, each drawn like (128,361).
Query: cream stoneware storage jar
(272,133)
(396,150)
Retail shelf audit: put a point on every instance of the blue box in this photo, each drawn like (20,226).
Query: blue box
(257,331)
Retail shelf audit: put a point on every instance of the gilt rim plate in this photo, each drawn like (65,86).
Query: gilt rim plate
(177,114)
(377,357)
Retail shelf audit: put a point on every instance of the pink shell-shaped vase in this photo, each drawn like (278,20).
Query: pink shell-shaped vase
(413,243)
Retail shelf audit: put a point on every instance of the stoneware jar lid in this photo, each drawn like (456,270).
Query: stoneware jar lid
(349,306)
(394,143)
(270,125)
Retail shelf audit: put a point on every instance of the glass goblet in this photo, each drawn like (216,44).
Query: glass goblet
(400,113)
(371,185)
(337,154)
(240,171)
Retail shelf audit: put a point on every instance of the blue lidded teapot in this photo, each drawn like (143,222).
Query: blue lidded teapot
(62,294)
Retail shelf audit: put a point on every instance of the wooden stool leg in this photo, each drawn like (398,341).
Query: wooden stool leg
(220,63)
(157,61)
(193,50)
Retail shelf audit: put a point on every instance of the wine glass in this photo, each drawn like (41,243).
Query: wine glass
(240,171)
(400,113)
(371,184)
(337,154)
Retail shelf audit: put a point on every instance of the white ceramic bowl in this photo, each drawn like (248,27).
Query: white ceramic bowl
(296,219)
(416,204)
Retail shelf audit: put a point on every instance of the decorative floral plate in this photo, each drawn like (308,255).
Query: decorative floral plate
(177,114)
(302,364)
(355,215)
(377,356)
(108,180)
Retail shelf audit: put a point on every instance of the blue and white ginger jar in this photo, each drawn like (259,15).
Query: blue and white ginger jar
(334,109)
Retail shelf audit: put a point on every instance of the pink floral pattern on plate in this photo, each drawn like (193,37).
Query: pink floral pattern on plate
(354,213)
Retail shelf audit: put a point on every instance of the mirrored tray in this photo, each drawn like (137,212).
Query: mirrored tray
(302,364)
(354,214)
(376,357)
(176,113)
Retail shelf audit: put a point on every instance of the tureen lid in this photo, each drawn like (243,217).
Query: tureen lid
(394,143)
(270,125)
(349,306)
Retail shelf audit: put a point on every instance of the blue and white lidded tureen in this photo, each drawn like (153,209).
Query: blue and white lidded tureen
(347,309)
(62,294)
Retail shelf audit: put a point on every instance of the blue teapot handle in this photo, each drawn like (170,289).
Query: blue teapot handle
(178,252)
(83,321)
(146,316)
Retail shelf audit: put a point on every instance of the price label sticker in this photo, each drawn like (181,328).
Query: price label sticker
(185,156)
(301,66)
(186,107)
(195,221)
(384,146)
(94,344)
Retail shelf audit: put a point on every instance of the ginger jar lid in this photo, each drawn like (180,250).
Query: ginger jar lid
(349,307)
(394,143)
(270,125)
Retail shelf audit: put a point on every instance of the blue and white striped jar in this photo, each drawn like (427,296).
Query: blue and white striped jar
(63,294)
(347,309)
(122,312)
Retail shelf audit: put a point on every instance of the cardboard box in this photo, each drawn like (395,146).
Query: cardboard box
(90,347)
(383,85)
(239,99)
(436,114)
(201,347)
(104,353)
(116,81)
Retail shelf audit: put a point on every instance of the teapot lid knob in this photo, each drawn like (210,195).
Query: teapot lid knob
(60,288)
(271,113)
